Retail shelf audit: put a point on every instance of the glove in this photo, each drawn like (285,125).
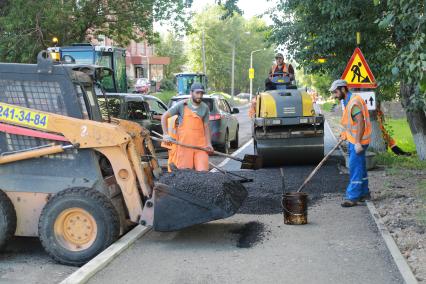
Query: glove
(168,138)
(343,136)
(358,148)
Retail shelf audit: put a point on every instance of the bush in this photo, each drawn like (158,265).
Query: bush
(167,85)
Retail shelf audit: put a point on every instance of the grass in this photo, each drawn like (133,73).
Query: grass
(165,96)
(327,106)
(400,131)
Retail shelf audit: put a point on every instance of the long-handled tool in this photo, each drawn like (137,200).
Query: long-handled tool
(319,166)
(252,162)
(226,173)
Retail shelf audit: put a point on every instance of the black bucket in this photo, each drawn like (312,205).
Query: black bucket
(295,208)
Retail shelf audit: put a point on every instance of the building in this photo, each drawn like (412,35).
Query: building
(141,61)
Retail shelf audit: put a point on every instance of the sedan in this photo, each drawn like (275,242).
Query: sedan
(224,125)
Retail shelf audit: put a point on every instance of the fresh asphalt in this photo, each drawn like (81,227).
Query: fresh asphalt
(337,246)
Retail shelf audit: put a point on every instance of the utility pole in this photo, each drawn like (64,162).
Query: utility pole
(233,72)
(204,54)
(251,68)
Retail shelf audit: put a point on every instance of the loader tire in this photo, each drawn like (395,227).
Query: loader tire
(77,224)
(7,219)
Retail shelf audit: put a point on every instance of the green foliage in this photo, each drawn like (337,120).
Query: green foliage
(26,27)
(318,82)
(165,96)
(167,85)
(326,29)
(391,160)
(220,35)
(172,46)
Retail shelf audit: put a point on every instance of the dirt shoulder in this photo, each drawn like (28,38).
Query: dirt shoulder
(400,197)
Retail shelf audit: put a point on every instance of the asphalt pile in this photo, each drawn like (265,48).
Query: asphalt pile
(266,190)
(210,188)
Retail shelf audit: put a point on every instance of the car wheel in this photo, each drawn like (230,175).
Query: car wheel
(234,144)
(226,144)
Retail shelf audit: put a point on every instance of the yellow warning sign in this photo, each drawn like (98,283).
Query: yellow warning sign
(251,73)
(357,73)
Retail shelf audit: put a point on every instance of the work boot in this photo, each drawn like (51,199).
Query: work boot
(349,203)
(365,197)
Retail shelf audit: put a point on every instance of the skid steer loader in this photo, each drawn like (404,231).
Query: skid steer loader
(53,147)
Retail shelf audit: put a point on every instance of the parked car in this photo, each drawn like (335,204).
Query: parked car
(145,110)
(224,125)
(142,85)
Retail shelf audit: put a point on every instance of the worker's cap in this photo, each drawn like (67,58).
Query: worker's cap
(338,83)
(279,55)
(197,87)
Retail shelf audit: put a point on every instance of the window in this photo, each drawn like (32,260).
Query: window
(156,107)
(137,111)
(223,106)
(113,105)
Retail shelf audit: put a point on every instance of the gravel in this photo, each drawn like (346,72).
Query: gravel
(266,190)
(211,188)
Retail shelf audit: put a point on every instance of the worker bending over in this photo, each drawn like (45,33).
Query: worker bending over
(193,129)
(357,131)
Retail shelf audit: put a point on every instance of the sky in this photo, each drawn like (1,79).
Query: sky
(251,8)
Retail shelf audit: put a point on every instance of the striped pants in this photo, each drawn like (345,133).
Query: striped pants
(358,183)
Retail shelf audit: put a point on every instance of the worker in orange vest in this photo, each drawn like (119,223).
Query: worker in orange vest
(193,129)
(280,68)
(357,132)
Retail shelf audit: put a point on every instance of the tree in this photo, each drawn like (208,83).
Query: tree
(26,27)
(220,37)
(316,29)
(170,45)
(405,21)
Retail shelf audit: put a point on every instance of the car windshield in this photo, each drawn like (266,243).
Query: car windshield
(207,101)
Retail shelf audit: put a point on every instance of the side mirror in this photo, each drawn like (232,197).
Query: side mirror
(235,110)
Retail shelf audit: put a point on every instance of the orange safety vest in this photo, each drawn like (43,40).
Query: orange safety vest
(275,67)
(172,132)
(351,126)
(252,109)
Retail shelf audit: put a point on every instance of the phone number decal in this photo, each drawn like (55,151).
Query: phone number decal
(23,117)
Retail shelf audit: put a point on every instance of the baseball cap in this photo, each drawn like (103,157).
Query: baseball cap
(279,55)
(338,83)
(197,87)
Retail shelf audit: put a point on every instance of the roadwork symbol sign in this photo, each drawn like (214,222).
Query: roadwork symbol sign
(357,73)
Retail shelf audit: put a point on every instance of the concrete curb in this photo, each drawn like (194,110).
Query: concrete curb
(398,258)
(87,271)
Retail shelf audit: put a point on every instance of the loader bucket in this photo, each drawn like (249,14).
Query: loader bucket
(172,210)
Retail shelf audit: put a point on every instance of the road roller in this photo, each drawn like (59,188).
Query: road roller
(287,127)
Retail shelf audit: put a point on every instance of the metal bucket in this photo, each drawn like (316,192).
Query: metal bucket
(295,208)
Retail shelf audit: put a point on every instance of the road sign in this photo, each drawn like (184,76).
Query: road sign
(357,73)
(251,73)
(368,97)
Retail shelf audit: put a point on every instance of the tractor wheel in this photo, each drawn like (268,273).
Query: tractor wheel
(7,219)
(77,224)
(234,144)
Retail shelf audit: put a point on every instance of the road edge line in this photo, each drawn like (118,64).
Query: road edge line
(399,259)
(87,271)
(239,150)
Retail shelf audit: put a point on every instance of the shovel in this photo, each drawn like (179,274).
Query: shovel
(251,162)
(308,179)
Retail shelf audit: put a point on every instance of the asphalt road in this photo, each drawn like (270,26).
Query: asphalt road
(339,245)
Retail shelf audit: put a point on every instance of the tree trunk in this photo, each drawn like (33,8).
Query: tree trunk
(377,143)
(416,119)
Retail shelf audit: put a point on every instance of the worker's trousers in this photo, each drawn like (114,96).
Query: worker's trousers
(358,183)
